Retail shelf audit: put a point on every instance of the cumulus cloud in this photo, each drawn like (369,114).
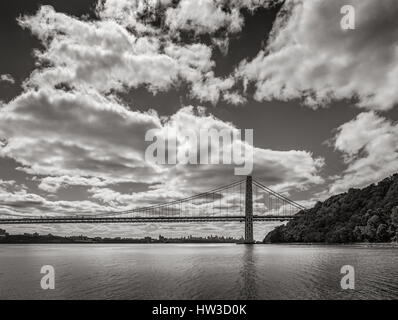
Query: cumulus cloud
(309,56)
(52,184)
(52,132)
(369,144)
(135,15)
(68,127)
(106,55)
(75,138)
(18,201)
(282,169)
(203,16)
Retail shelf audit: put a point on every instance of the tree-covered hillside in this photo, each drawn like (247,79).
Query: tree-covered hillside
(359,215)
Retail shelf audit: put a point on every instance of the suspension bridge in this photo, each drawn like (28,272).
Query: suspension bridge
(245,201)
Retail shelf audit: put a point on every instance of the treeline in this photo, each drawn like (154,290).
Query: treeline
(359,215)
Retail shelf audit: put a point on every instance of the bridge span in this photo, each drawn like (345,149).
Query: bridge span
(243,201)
(141,219)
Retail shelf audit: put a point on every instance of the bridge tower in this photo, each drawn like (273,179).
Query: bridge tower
(249,211)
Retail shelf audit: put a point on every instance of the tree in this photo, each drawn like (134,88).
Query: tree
(381,233)
(369,214)
(394,221)
(394,216)
(374,220)
(359,233)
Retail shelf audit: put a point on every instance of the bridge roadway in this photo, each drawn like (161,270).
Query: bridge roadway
(162,219)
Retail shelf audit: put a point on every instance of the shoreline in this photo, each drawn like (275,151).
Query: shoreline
(355,244)
(362,244)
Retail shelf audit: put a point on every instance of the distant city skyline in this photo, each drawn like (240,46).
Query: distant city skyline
(5,237)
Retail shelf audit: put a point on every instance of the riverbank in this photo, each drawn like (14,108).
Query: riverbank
(353,244)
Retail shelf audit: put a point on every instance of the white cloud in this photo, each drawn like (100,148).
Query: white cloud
(53,184)
(81,135)
(234,98)
(203,16)
(76,138)
(20,202)
(52,132)
(369,144)
(309,56)
(135,15)
(140,199)
(105,55)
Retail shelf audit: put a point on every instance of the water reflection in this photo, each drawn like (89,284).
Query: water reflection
(248,274)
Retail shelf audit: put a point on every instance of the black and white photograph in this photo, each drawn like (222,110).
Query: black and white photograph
(198,150)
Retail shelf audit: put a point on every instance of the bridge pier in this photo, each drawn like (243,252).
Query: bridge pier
(249,211)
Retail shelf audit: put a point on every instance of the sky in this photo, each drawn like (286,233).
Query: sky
(81,82)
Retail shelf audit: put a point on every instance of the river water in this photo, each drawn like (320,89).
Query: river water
(197,271)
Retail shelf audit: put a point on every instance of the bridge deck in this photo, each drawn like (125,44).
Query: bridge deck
(164,219)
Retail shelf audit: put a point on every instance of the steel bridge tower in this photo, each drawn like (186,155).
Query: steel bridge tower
(249,211)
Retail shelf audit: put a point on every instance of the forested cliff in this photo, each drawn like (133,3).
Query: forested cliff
(359,215)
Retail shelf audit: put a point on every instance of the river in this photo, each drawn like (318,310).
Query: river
(197,271)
